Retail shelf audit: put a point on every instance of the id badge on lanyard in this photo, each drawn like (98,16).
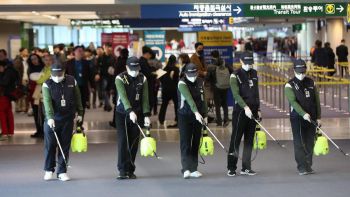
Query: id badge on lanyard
(307,93)
(63,102)
(251,84)
(137,97)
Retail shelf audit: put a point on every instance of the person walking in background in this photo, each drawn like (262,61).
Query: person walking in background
(8,77)
(79,68)
(155,64)
(90,58)
(342,53)
(330,57)
(107,72)
(35,68)
(99,77)
(21,65)
(198,59)
(219,78)
(59,55)
(169,83)
(148,71)
(319,57)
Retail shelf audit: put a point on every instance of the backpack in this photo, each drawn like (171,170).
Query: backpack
(222,77)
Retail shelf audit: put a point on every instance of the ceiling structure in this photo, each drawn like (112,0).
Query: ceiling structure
(62,11)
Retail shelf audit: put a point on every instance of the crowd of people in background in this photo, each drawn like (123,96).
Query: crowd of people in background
(95,70)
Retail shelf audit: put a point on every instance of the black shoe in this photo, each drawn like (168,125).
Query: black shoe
(218,124)
(131,175)
(248,172)
(37,135)
(211,119)
(231,173)
(101,105)
(310,171)
(122,176)
(173,126)
(108,109)
(112,124)
(226,123)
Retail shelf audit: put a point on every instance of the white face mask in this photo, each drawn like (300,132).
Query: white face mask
(132,73)
(57,79)
(191,79)
(300,76)
(247,67)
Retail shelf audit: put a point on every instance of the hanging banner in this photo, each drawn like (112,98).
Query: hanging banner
(221,41)
(106,38)
(119,42)
(156,41)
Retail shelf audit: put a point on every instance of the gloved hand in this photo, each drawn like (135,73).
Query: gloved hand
(147,122)
(259,116)
(205,120)
(79,119)
(319,123)
(307,117)
(133,117)
(199,117)
(248,112)
(51,123)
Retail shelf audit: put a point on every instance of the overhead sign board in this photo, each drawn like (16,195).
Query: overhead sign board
(215,10)
(296,9)
(243,10)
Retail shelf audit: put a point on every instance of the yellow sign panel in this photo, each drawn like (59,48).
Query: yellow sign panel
(330,9)
(215,38)
(231,21)
(348,11)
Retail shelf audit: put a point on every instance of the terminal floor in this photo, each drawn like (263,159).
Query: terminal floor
(93,173)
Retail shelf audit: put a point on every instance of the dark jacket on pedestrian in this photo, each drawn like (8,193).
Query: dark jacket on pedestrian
(8,80)
(342,53)
(170,79)
(86,80)
(320,57)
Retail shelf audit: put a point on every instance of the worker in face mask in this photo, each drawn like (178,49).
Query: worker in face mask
(305,107)
(245,90)
(132,108)
(61,97)
(192,114)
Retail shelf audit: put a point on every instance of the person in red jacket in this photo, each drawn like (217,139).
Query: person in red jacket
(8,76)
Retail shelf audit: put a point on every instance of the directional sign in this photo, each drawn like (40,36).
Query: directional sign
(293,9)
(218,10)
(215,10)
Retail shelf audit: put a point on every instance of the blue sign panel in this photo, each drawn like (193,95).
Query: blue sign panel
(156,41)
(215,10)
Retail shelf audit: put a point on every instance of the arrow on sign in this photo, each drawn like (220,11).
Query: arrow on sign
(341,8)
(238,9)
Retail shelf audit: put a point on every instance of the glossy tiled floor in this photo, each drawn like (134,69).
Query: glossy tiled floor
(99,131)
